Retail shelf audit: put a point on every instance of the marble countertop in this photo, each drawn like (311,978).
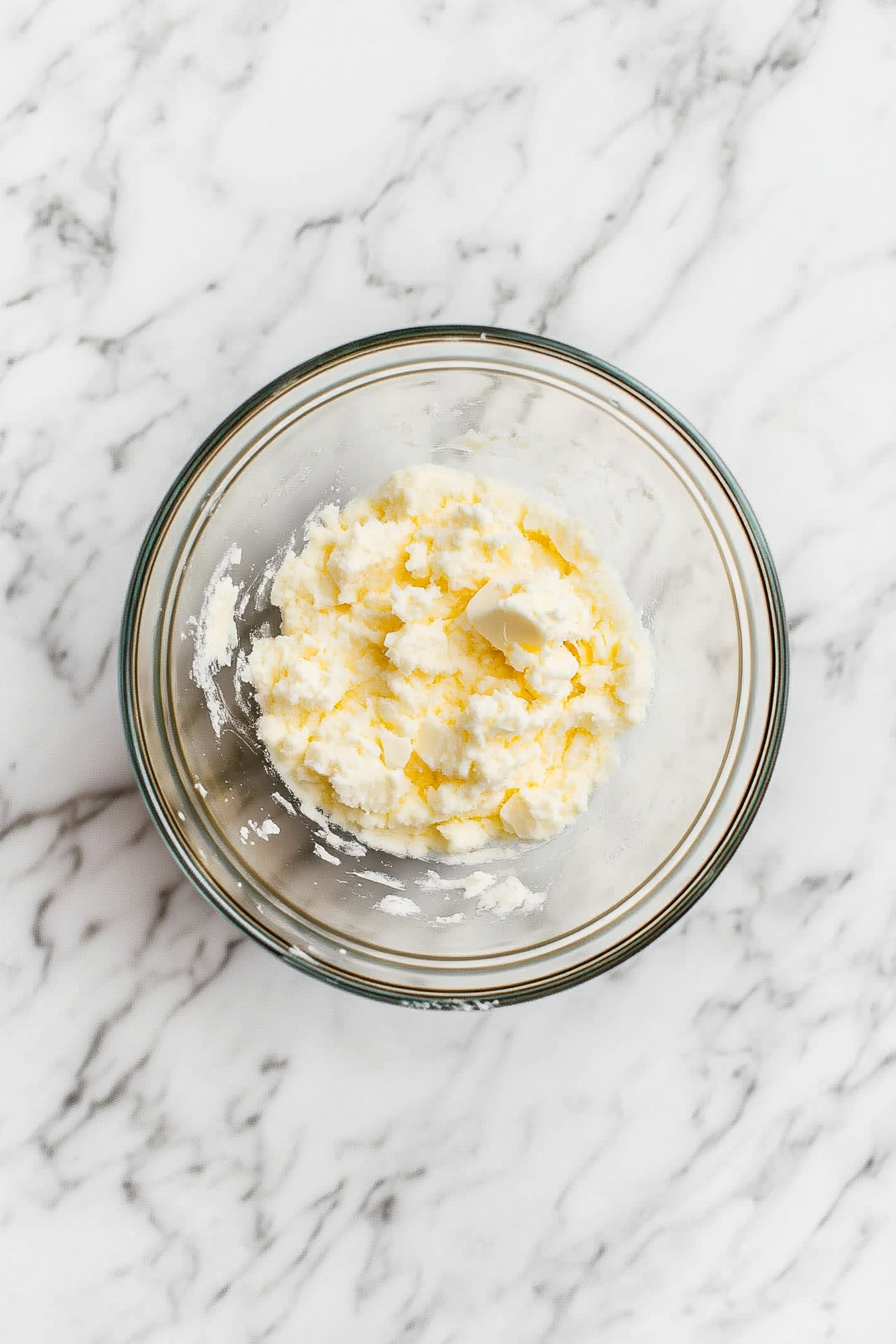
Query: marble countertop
(197,1143)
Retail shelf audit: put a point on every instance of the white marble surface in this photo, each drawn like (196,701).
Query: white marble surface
(199,1144)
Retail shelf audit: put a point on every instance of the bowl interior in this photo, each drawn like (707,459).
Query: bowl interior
(571,437)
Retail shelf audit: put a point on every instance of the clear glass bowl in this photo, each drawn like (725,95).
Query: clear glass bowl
(577,434)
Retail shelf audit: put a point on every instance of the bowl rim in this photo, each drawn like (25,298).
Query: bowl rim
(766,755)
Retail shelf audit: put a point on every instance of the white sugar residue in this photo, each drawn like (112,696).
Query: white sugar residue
(216,638)
(220,627)
(352,848)
(349,847)
(200,789)
(450,919)
(382,879)
(499,896)
(472,884)
(241,678)
(326,855)
(332,496)
(239,610)
(284,803)
(398,905)
(269,573)
(262,832)
(509,895)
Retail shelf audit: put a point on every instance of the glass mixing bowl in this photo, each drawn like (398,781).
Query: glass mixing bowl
(574,433)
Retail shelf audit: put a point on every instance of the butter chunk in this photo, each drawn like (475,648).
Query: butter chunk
(492,618)
(528,611)
(396,750)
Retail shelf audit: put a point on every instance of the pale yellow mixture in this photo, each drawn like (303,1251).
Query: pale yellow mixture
(454,666)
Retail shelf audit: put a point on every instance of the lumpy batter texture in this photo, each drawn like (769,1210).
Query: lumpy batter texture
(425,727)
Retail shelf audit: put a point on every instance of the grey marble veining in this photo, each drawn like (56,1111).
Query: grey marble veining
(197,1143)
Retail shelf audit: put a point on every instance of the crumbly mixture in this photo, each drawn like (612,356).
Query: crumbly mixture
(454,666)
